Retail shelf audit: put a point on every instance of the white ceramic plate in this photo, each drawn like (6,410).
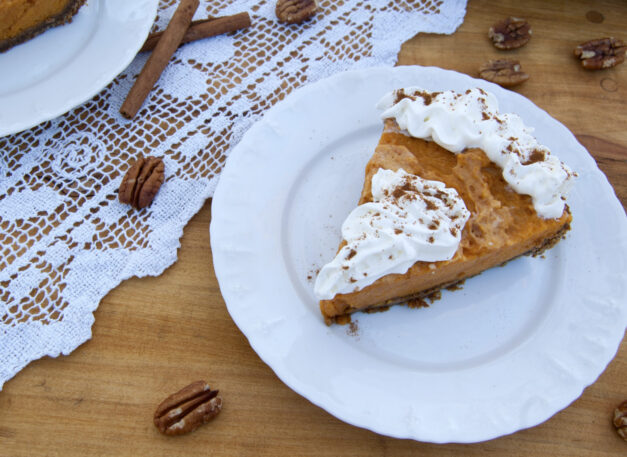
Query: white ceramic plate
(510,349)
(67,65)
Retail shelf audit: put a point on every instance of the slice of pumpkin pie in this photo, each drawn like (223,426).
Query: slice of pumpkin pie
(454,187)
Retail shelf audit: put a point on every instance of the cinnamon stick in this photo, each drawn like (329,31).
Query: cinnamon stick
(159,58)
(204,28)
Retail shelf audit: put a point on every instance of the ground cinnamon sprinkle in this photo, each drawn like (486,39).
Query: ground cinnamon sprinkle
(405,190)
(430,205)
(353,329)
(427,97)
(536,156)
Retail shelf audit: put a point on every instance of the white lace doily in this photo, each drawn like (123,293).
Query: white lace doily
(65,239)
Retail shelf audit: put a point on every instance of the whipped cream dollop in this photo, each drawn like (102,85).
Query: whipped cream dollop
(457,121)
(410,219)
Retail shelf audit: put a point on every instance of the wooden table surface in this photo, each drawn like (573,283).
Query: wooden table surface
(154,335)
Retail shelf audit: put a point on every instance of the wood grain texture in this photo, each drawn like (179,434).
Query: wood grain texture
(153,336)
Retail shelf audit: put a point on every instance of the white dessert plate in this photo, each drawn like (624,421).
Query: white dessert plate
(67,65)
(509,350)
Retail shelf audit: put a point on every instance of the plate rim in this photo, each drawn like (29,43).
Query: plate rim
(255,342)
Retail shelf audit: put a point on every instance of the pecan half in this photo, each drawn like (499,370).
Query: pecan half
(187,409)
(295,11)
(601,53)
(620,420)
(510,33)
(504,72)
(142,182)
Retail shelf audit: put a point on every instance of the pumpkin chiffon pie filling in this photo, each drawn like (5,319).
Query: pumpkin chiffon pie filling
(452,189)
(21,20)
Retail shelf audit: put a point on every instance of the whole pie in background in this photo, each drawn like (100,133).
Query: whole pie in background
(21,20)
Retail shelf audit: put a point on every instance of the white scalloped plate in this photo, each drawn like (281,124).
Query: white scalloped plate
(67,65)
(509,350)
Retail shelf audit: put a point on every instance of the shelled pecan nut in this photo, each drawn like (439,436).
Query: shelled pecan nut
(504,72)
(187,409)
(510,33)
(295,11)
(142,182)
(620,420)
(601,53)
